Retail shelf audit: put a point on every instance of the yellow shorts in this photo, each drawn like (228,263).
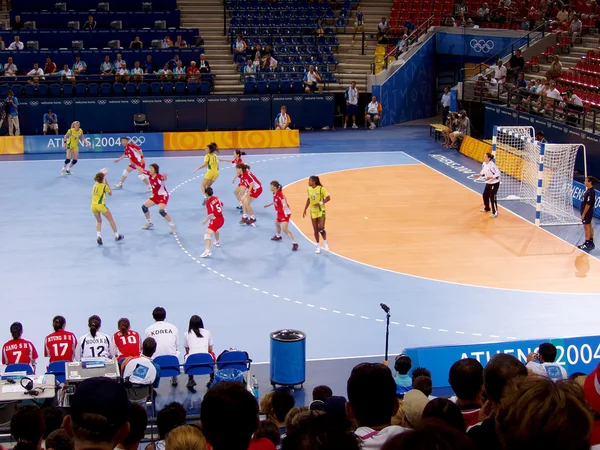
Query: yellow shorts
(211,175)
(97,209)
(315,214)
(360,28)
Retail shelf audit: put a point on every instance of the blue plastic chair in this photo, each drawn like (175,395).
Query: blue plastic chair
(249,86)
(167,88)
(131,89)
(199,364)
(30,91)
(155,88)
(11,368)
(192,87)
(42,90)
(105,89)
(17,90)
(93,89)
(261,87)
(4,90)
(57,369)
(143,88)
(273,86)
(119,89)
(54,90)
(204,88)
(297,87)
(67,90)
(80,90)
(234,360)
(180,88)
(285,86)
(169,365)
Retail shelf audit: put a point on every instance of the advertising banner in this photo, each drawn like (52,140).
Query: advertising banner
(99,143)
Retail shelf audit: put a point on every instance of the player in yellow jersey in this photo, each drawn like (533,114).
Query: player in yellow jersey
(99,192)
(211,162)
(71,145)
(317,197)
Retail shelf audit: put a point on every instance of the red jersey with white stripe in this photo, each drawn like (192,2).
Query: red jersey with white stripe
(60,346)
(280,203)
(248,178)
(134,153)
(19,351)
(235,162)
(127,346)
(213,206)
(157,182)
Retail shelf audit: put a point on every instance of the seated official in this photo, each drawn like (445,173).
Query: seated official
(122,74)
(165,73)
(142,370)
(137,72)
(50,122)
(283,120)
(66,73)
(16,44)
(79,66)
(312,81)
(106,68)
(136,43)
(36,74)
(373,112)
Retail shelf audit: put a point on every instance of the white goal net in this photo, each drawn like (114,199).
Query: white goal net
(539,174)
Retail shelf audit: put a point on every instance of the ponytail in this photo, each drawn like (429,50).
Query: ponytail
(242,166)
(16,329)
(58,322)
(123,325)
(212,147)
(276,184)
(94,322)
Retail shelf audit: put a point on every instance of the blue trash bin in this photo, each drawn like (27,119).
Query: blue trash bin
(288,358)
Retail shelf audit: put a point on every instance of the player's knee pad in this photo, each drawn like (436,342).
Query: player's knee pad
(163,212)
(67,161)
(207,237)
(125,173)
(144,209)
(322,230)
(142,177)
(73,162)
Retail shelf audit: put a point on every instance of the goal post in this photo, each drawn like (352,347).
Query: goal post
(539,174)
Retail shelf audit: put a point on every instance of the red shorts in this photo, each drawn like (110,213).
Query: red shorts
(134,167)
(256,192)
(158,199)
(216,223)
(283,218)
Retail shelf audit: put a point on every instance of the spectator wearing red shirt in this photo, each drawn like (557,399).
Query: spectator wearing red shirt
(193,72)
(60,345)
(126,342)
(50,67)
(466,380)
(18,350)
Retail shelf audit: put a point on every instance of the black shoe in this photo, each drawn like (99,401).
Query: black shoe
(119,238)
(584,246)
(99,240)
(191,383)
(174,381)
(295,247)
(591,245)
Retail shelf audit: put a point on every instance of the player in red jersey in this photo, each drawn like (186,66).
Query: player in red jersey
(284,213)
(253,191)
(214,209)
(160,197)
(239,189)
(18,350)
(60,345)
(136,162)
(126,342)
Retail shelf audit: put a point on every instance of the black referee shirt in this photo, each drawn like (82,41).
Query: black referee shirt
(589,198)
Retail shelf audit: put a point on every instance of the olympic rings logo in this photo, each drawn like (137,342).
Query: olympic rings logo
(298,99)
(102,102)
(480,46)
(138,140)
(34,103)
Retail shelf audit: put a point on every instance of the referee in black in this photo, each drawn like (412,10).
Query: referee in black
(587,214)
(491,174)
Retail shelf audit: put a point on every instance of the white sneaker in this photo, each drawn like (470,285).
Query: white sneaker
(345,126)
(69,171)
(318,249)
(484,210)
(493,216)
(148,226)
(354,126)
(172,229)
(326,247)
(118,186)
(372,126)
(206,254)
(62,172)
(217,244)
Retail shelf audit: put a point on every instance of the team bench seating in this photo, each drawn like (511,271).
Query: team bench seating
(436,129)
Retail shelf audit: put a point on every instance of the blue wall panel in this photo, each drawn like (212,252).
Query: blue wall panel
(190,113)
(232,112)
(31,114)
(478,46)
(160,113)
(305,110)
(113,115)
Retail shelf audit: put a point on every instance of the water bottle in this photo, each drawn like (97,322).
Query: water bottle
(255,386)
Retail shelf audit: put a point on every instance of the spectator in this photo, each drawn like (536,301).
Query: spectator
(16,24)
(431,434)
(450,22)
(446,411)
(466,380)
(50,68)
(10,68)
(319,30)
(180,43)
(269,430)
(537,413)
(138,421)
(204,65)
(59,440)
(197,340)
(185,437)
(550,97)
(293,415)
(402,366)
(141,369)
(420,372)
(520,82)
(410,26)
(319,432)
(446,98)
(167,42)
(555,70)
(359,24)
(563,16)
(136,43)
(383,29)
(98,415)
(499,72)
(79,66)
(372,404)
(170,417)
(239,49)
(16,44)
(515,64)
(165,334)
(470,24)
(51,121)
(266,405)
(173,62)
(60,345)
(249,71)
(149,67)
(542,363)
(106,68)
(90,24)
(451,126)
(321,393)
(258,52)
(576,28)
(118,62)
(373,113)
(269,64)
(2,44)
(180,72)
(53,418)
(401,45)
(282,403)
(122,74)
(497,374)
(269,50)
(414,404)
(464,129)
(220,404)
(312,81)
(424,384)
(351,96)
(36,74)
(165,73)
(66,74)
(137,72)
(27,427)
(192,72)
(17,350)
(539,136)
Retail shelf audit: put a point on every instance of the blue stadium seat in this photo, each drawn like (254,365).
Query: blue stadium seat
(167,88)
(42,90)
(192,87)
(234,360)
(249,86)
(11,368)
(55,90)
(169,365)
(143,88)
(199,364)
(93,89)
(273,86)
(155,88)
(180,88)
(105,89)
(131,89)
(57,369)
(80,90)
(3,90)
(285,86)
(17,90)
(67,90)
(119,89)
(261,87)
(30,91)
(204,88)
(297,87)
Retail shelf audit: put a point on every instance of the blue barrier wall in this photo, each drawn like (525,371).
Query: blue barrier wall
(99,143)
(409,94)
(581,354)
(472,45)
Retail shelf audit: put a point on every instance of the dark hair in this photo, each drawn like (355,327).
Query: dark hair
(16,330)
(490,156)
(53,418)
(124,137)
(318,431)
(212,147)
(498,372)
(402,364)
(27,426)
(466,378)
(372,394)
(123,325)
(430,434)
(420,372)
(268,430)
(321,393)
(224,401)
(446,411)
(237,151)
(59,440)
(540,132)
(58,322)
(282,402)
(423,384)
(242,166)
(159,314)
(591,180)
(315,179)
(149,347)
(94,323)
(195,324)
(138,420)
(171,416)
(276,184)
(547,352)
(209,191)
(156,167)
(99,177)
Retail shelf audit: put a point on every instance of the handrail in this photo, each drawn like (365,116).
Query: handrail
(411,37)
(224,17)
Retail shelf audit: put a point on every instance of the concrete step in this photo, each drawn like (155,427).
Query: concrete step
(204,10)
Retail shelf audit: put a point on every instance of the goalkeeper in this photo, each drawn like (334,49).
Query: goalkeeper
(491,174)
(587,214)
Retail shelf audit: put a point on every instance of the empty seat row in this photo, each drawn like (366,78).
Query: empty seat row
(284,86)
(60,19)
(87,5)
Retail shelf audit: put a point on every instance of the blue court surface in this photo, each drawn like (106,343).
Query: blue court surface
(251,286)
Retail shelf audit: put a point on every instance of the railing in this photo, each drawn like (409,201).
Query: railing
(225,7)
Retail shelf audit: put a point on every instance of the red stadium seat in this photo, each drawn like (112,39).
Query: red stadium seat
(549,53)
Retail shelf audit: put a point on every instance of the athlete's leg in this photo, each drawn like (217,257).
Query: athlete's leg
(286,230)
(126,172)
(98,223)
(315,224)
(162,210)
(111,221)
(277,228)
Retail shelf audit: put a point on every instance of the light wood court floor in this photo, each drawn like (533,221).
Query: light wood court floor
(413,220)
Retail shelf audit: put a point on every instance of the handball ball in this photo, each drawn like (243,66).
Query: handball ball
(104,171)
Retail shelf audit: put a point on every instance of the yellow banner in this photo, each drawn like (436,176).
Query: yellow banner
(474,148)
(232,139)
(12,145)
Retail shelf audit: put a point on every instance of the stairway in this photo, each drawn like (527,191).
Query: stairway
(207,15)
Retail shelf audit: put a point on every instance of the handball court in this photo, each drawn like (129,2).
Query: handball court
(404,229)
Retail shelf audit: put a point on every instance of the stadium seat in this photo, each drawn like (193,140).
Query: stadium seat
(80,90)
(119,89)
(17,90)
(57,369)
(169,365)
(105,89)
(12,368)
(93,89)
(261,87)
(180,88)
(192,87)
(55,90)
(167,88)
(249,86)
(297,87)
(29,91)
(234,360)
(131,89)
(67,90)
(204,88)
(42,90)
(143,88)
(273,86)
(155,88)
(285,86)
(199,364)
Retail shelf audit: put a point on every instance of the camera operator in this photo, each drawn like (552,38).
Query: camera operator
(10,109)
(542,363)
